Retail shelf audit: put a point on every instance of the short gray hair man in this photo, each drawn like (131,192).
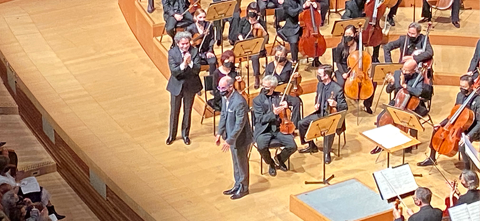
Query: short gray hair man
(272,80)
(181,35)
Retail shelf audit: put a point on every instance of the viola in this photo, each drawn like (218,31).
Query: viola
(358,85)
(374,9)
(310,21)
(450,200)
(287,126)
(296,90)
(331,109)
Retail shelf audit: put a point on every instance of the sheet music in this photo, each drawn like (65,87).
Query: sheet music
(465,212)
(471,151)
(474,210)
(30,185)
(400,179)
(388,136)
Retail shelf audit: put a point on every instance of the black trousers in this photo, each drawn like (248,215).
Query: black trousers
(427,13)
(171,23)
(263,143)
(303,127)
(212,63)
(263,5)
(175,104)
(294,103)
(324,7)
(394,9)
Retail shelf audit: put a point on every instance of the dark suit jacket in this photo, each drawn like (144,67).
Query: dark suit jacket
(337,94)
(234,125)
(470,196)
(400,43)
(352,10)
(474,131)
(171,7)
(284,76)
(292,9)
(426,213)
(187,78)
(475,58)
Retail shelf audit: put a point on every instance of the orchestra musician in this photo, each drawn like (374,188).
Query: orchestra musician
(204,39)
(291,31)
(226,68)
(281,68)
(473,133)
(183,84)
(475,62)
(405,79)
(321,5)
(262,5)
(344,48)
(173,15)
(422,199)
(220,26)
(323,103)
(267,107)
(427,13)
(354,9)
(249,27)
(393,12)
(469,180)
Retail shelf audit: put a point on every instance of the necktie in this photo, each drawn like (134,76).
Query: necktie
(322,101)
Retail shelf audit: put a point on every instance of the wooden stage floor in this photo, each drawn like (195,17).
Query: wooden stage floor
(105,97)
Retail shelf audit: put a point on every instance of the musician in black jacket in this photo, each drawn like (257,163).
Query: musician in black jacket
(291,31)
(266,107)
(205,39)
(469,180)
(354,9)
(473,133)
(323,102)
(475,62)
(405,79)
(422,199)
(173,15)
(427,13)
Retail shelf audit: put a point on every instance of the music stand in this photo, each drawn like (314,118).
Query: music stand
(323,127)
(379,71)
(219,11)
(340,25)
(247,48)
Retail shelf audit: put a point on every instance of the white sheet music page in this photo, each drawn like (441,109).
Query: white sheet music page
(471,152)
(459,213)
(30,185)
(474,210)
(388,136)
(399,178)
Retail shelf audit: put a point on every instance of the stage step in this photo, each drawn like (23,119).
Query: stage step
(7,104)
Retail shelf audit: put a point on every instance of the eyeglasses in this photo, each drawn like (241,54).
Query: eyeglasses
(223,88)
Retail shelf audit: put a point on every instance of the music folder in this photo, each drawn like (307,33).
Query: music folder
(395,181)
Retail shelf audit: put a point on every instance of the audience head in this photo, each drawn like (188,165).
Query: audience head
(227,59)
(269,83)
(182,39)
(225,86)
(422,196)
(280,54)
(469,179)
(325,73)
(9,202)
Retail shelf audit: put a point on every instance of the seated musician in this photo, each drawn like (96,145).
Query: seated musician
(281,68)
(473,133)
(343,50)
(291,31)
(473,69)
(204,38)
(469,180)
(427,13)
(266,107)
(323,103)
(220,26)
(172,15)
(227,68)
(407,44)
(405,80)
(263,5)
(249,27)
(422,199)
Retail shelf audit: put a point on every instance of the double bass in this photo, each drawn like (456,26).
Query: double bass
(310,20)
(374,10)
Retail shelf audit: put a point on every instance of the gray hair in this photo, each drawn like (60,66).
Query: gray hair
(281,49)
(181,35)
(272,80)
(471,179)
(229,80)
(423,194)
(415,25)
(9,200)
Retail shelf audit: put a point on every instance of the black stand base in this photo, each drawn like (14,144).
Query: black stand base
(324,181)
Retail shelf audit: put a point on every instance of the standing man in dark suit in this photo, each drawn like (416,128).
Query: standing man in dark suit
(266,108)
(323,102)
(173,15)
(184,83)
(469,180)
(234,128)
(475,62)
(422,199)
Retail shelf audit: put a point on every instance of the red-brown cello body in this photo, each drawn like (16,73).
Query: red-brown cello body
(310,20)
(374,10)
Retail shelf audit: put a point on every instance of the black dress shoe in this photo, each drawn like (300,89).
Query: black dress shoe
(424,20)
(281,164)
(219,42)
(316,62)
(328,158)
(309,149)
(2,144)
(169,140)
(186,140)
(231,191)
(391,21)
(426,162)
(456,24)
(375,60)
(272,170)
(239,194)
(376,150)
(368,110)
(408,150)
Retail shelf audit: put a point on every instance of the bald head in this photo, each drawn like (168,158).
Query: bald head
(225,82)
(409,66)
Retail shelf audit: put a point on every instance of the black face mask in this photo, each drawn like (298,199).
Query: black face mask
(408,76)
(266,91)
(202,23)
(224,93)
(319,78)
(464,91)
(252,14)
(412,39)
(229,64)
(347,39)
(280,59)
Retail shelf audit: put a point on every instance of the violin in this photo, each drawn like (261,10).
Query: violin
(446,138)
(310,21)
(296,90)
(287,126)
(372,34)
(358,85)
(198,39)
(195,4)
(450,200)
(331,109)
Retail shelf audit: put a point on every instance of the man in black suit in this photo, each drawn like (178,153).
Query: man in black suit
(266,108)
(475,62)
(184,83)
(473,132)
(235,129)
(427,13)
(173,15)
(469,180)
(323,102)
(422,199)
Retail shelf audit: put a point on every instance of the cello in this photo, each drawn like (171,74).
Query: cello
(373,35)
(440,4)
(310,21)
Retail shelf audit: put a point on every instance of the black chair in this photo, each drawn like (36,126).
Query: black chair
(209,85)
(274,144)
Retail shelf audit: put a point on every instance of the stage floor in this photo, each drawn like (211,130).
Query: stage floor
(84,66)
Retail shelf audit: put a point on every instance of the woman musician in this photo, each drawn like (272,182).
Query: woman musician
(226,68)
(203,39)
